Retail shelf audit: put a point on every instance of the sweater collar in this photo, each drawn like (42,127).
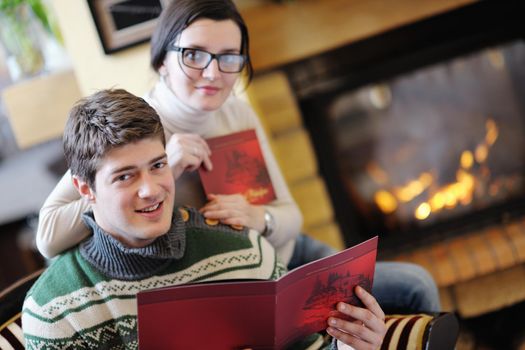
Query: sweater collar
(176,116)
(117,261)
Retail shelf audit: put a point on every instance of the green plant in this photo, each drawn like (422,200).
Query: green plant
(8,8)
(19,20)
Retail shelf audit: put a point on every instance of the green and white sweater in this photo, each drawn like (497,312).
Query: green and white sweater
(86,299)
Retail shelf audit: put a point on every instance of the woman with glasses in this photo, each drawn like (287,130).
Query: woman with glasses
(200,48)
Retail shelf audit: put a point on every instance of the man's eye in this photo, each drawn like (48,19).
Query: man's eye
(123,177)
(159,165)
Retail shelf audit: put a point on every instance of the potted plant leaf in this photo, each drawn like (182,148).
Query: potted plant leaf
(23,23)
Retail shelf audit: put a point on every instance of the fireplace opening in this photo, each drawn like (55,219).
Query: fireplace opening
(420,131)
(435,144)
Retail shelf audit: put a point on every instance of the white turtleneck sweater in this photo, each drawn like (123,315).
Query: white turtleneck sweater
(60,225)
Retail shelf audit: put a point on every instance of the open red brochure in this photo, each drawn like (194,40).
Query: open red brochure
(238,167)
(253,313)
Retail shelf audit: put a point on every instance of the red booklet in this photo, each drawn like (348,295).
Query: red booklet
(254,314)
(238,167)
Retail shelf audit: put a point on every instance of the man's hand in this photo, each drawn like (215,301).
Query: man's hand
(187,152)
(368,328)
(234,209)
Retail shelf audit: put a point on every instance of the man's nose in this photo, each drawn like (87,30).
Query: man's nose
(148,187)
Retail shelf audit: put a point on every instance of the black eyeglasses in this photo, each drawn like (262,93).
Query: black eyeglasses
(200,59)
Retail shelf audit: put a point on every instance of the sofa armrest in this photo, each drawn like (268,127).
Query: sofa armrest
(438,331)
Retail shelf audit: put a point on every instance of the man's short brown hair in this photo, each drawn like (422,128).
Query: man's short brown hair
(103,121)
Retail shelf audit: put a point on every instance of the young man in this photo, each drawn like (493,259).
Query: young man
(114,145)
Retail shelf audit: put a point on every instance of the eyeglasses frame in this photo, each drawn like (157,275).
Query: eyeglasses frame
(213,56)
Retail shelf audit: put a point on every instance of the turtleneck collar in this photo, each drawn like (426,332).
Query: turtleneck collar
(115,260)
(176,116)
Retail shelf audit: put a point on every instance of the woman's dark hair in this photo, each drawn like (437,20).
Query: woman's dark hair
(182,13)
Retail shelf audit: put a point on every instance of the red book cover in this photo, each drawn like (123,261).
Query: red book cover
(253,313)
(238,167)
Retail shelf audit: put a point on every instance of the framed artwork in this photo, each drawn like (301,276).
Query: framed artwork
(124,23)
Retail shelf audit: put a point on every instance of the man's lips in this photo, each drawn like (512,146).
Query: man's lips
(150,210)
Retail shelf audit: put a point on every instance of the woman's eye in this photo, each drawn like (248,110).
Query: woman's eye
(229,59)
(193,55)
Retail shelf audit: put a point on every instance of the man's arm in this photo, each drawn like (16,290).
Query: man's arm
(45,334)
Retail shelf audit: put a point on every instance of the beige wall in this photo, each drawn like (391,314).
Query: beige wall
(128,69)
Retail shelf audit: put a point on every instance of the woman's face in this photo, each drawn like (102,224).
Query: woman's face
(205,89)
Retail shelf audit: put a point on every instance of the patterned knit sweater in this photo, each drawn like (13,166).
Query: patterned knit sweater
(86,299)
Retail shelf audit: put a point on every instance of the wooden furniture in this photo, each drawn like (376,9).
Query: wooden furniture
(11,301)
(37,110)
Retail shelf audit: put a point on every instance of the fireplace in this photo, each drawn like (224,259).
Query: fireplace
(420,131)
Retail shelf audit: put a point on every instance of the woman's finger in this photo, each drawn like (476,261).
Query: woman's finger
(229,198)
(196,155)
(207,163)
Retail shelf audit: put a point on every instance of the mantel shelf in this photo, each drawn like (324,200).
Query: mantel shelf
(283,33)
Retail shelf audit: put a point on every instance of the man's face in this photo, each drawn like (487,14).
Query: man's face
(134,193)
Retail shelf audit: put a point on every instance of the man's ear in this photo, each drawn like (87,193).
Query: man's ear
(84,189)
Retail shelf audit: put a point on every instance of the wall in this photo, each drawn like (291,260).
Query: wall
(128,69)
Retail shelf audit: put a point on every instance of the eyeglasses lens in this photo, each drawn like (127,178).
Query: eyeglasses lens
(228,63)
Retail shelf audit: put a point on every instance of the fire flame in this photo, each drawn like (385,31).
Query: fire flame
(440,197)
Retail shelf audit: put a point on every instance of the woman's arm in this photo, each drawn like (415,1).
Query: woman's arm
(59,224)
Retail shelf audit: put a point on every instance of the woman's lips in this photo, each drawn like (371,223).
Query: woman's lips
(209,90)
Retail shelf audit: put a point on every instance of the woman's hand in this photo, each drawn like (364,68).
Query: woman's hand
(234,209)
(187,152)
(368,328)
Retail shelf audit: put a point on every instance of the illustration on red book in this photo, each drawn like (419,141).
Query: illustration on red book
(238,167)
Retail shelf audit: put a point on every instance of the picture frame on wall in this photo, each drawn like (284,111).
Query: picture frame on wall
(124,23)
